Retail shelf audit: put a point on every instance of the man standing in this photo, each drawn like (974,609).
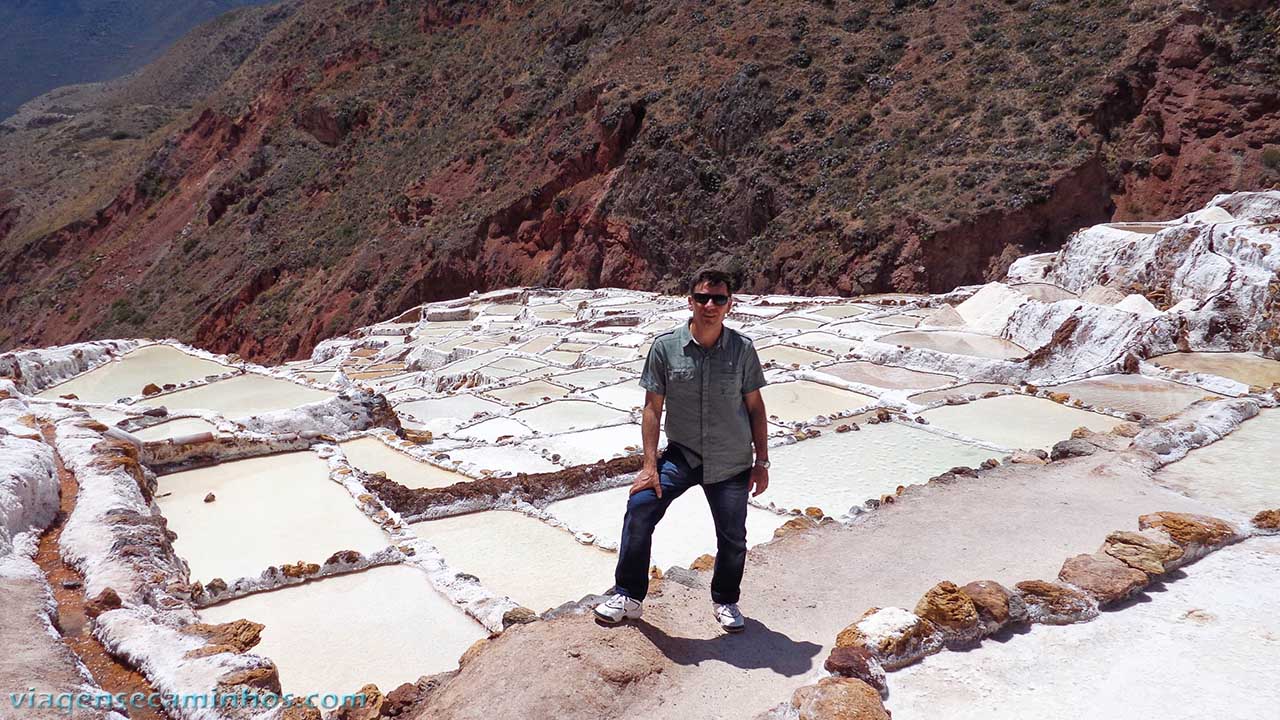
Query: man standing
(715,418)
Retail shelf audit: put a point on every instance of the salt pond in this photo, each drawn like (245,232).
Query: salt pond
(887,376)
(372,455)
(1238,471)
(390,618)
(1219,625)
(787,355)
(839,470)
(528,393)
(241,396)
(127,375)
(1017,421)
(684,533)
(529,561)
(1134,393)
(956,342)
(173,428)
(804,400)
(504,458)
(1247,368)
(564,415)
(268,511)
(588,446)
(446,413)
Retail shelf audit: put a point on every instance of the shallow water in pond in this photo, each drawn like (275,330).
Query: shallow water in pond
(829,342)
(173,428)
(528,393)
(529,561)
(594,377)
(241,396)
(588,446)
(385,625)
(446,413)
(787,355)
(268,511)
(564,415)
(624,395)
(960,392)
(504,458)
(372,455)
(955,342)
(126,376)
(1134,393)
(791,322)
(804,400)
(838,312)
(839,470)
(1247,368)
(685,533)
(1044,292)
(1017,421)
(1237,472)
(493,429)
(887,376)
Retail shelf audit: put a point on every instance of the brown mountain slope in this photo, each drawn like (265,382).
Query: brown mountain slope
(369,155)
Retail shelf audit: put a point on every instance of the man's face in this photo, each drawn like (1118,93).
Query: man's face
(708,310)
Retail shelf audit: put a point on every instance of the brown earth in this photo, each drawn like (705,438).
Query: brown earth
(342,161)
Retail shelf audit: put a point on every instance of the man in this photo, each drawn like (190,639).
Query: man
(715,418)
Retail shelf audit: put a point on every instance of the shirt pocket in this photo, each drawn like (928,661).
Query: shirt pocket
(726,379)
(682,380)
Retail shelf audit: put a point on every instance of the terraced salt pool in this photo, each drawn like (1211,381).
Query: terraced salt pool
(389,617)
(173,428)
(802,400)
(956,342)
(267,511)
(1238,471)
(443,414)
(1247,368)
(588,446)
(529,561)
(887,376)
(241,396)
(504,458)
(625,395)
(565,415)
(1134,393)
(1017,421)
(787,355)
(372,455)
(686,531)
(127,375)
(840,470)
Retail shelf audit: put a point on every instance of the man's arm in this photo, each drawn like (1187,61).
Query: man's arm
(759,438)
(649,424)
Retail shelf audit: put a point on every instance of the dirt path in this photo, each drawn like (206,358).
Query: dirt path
(1017,523)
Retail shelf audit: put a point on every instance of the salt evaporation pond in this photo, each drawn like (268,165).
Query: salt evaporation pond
(528,393)
(385,625)
(268,511)
(534,564)
(887,376)
(956,342)
(959,392)
(241,396)
(840,470)
(787,355)
(802,400)
(838,312)
(126,376)
(1238,471)
(493,430)
(593,377)
(1247,368)
(685,533)
(504,458)
(829,342)
(372,455)
(1134,663)
(442,415)
(588,446)
(173,429)
(1134,393)
(625,395)
(1017,421)
(564,415)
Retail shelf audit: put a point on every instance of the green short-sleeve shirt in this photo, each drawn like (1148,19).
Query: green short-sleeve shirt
(706,416)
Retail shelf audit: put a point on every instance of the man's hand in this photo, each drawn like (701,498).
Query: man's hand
(648,477)
(759,480)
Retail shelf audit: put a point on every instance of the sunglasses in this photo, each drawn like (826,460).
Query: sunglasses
(702,298)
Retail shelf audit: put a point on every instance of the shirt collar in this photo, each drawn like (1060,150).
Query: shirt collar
(686,336)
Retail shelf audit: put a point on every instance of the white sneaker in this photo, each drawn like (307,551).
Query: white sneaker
(729,617)
(618,608)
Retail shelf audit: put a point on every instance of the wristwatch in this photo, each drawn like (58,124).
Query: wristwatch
(763,463)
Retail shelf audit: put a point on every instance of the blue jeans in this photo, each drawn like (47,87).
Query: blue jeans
(728,501)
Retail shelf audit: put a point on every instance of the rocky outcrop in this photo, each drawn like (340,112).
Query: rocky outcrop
(1267,521)
(856,661)
(952,612)
(996,606)
(1150,551)
(1055,603)
(1197,535)
(838,698)
(1107,580)
(896,637)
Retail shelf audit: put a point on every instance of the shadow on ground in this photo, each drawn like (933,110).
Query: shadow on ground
(755,647)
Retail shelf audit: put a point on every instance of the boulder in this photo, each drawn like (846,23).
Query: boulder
(1150,551)
(370,709)
(1074,447)
(300,569)
(799,523)
(856,661)
(1267,520)
(1197,535)
(262,677)
(106,600)
(1106,579)
(896,637)
(1051,603)
(518,616)
(301,712)
(838,698)
(704,562)
(237,636)
(1022,457)
(952,612)
(151,389)
(996,606)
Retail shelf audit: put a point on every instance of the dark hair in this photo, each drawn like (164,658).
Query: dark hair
(714,277)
